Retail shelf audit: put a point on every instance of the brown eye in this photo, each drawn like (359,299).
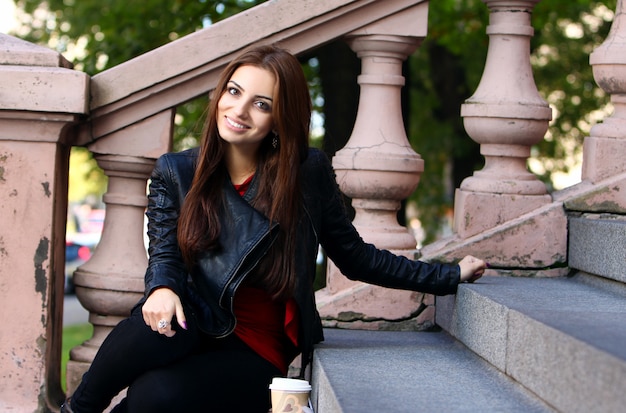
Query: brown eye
(264,106)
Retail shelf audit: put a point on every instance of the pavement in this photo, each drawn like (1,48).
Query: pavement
(73,311)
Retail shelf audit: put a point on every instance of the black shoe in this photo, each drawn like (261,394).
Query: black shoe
(66,407)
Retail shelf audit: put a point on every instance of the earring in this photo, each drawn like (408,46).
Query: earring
(275,141)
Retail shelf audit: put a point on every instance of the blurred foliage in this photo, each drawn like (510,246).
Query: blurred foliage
(86,181)
(566,33)
(443,72)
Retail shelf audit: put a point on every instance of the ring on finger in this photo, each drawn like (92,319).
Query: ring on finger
(162,324)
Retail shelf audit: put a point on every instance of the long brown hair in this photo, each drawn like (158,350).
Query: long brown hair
(279,196)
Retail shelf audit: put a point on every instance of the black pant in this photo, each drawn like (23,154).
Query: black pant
(189,372)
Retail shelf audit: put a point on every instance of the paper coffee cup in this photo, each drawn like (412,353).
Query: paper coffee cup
(290,395)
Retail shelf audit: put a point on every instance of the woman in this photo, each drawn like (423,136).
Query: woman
(234,229)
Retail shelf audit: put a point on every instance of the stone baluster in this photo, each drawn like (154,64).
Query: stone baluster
(506,116)
(41,98)
(605,148)
(112,281)
(378,169)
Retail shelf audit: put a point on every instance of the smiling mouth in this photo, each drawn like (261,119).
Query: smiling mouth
(235,124)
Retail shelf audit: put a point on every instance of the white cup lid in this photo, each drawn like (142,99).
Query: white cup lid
(295,385)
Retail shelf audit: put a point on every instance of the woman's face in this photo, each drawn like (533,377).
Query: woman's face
(244,111)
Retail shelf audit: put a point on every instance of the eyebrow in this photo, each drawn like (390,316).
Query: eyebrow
(258,96)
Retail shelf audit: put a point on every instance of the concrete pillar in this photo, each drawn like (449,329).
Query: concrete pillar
(506,116)
(40,99)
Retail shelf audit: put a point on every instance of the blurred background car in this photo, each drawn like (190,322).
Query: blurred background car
(81,239)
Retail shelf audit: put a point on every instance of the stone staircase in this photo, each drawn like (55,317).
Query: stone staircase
(508,344)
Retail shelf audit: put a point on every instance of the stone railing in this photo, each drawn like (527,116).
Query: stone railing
(125,117)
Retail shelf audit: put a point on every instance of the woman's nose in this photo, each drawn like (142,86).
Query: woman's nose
(241,108)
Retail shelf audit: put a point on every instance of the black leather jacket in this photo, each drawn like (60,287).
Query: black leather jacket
(246,234)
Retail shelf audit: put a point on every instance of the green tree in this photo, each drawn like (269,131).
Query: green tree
(567,32)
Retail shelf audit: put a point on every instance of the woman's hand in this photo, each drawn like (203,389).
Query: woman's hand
(472,268)
(159,310)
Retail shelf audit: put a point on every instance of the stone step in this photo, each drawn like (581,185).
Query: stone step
(597,245)
(564,339)
(356,371)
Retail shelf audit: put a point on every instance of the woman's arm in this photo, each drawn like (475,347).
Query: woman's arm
(166,275)
(364,262)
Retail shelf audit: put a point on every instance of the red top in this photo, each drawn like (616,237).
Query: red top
(269,327)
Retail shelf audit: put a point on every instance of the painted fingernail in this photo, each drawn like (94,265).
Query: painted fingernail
(185,325)
(488,265)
